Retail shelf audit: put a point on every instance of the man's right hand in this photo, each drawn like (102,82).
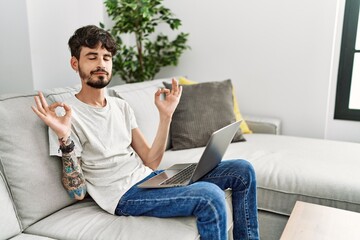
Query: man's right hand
(61,125)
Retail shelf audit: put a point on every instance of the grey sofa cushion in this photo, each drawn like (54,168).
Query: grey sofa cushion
(88,221)
(33,177)
(25,236)
(203,109)
(269,125)
(60,94)
(294,168)
(140,97)
(311,170)
(9,224)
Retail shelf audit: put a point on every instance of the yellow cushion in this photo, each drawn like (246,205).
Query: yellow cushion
(243,126)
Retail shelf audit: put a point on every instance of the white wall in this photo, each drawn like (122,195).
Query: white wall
(51,23)
(33,44)
(281,55)
(15,60)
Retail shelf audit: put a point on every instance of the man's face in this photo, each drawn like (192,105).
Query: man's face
(95,66)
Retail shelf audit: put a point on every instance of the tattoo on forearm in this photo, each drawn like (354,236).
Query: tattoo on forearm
(73,178)
(66,145)
(62,141)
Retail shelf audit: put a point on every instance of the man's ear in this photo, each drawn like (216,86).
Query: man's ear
(74,63)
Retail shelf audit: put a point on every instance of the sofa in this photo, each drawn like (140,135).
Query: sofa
(34,204)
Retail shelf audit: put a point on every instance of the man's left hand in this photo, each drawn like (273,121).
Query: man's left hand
(167,106)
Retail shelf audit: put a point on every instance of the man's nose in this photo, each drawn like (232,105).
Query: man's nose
(101,62)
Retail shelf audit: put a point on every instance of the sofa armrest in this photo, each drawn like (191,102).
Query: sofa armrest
(269,125)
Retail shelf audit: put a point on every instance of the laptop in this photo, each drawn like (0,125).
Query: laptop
(186,173)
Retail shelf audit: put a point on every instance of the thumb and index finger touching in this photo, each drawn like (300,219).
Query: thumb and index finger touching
(55,105)
(42,108)
(61,123)
(176,89)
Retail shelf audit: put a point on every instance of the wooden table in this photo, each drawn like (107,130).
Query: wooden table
(310,221)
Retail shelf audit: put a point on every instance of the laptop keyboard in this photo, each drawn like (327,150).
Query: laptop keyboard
(181,176)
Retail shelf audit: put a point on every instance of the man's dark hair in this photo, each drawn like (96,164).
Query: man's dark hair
(90,36)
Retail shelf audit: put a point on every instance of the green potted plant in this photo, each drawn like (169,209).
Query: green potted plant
(140,18)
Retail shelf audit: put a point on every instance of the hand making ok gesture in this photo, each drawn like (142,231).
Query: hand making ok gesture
(167,106)
(61,125)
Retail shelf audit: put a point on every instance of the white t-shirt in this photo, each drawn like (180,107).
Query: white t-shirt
(102,138)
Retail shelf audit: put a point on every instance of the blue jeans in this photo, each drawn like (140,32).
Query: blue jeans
(204,199)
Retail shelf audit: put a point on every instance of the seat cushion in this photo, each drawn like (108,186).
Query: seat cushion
(294,168)
(25,236)
(311,170)
(88,221)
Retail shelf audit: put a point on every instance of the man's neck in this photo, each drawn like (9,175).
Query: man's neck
(92,96)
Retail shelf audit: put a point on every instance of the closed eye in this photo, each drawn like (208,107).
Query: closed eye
(107,57)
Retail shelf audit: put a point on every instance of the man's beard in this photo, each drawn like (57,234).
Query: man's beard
(100,82)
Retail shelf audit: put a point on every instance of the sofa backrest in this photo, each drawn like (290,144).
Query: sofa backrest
(33,177)
(9,224)
(140,97)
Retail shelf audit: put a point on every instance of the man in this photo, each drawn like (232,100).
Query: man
(105,154)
